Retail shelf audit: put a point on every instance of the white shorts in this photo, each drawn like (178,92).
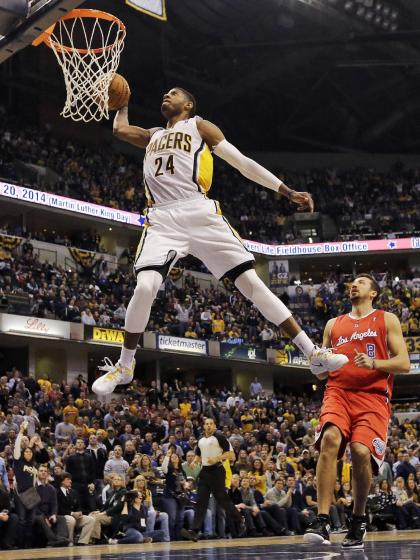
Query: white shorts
(191,227)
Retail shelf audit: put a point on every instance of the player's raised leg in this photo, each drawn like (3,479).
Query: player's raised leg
(136,319)
(321,360)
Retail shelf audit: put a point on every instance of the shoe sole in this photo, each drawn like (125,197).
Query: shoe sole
(356,546)
(186,535)
(319,368)
(102,392)
(314,538)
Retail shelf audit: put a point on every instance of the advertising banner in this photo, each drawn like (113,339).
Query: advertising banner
(74,206)
(279,275)
(333,247)
(101,334)
(285,358)
(176,344)
(24,194)
(413,344)
(242,352)
(34,326)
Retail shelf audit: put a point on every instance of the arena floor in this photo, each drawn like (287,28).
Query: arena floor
(404,545)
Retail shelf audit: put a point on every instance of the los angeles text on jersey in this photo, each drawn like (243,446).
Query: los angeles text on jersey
(355,336)
(170,141)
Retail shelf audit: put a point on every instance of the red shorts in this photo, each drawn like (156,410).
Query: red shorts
(361,417)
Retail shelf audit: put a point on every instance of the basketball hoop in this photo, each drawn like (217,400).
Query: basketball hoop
(87,45)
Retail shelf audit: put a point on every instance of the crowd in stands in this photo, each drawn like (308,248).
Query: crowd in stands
(74,470)
(362,202)
(96,296)
(83,239)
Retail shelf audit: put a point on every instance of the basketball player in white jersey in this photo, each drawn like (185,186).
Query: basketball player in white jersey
(181,220)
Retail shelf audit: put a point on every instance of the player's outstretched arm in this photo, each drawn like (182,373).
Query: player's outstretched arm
(135,135)
(249,168)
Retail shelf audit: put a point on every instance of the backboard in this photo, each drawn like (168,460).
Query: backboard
(21,21)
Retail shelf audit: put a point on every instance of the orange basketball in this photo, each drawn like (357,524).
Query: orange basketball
(118,92)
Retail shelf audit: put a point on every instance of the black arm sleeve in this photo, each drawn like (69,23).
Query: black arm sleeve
(223,442)
(197,450)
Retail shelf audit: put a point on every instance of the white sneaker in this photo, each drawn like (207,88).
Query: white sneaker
(116,375)
(324,359)
(112,541)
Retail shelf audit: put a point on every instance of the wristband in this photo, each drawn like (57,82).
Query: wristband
(288,193)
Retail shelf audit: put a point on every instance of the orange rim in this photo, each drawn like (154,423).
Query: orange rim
(45,37)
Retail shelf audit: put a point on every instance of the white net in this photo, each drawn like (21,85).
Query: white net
(88,50)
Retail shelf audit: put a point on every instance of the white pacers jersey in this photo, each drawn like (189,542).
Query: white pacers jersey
(178,164)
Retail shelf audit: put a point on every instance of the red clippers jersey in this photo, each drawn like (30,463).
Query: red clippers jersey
(367,335)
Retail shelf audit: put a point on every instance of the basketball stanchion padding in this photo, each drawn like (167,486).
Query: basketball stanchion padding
(88,46)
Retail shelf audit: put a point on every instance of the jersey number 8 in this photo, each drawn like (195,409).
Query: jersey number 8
(169,166)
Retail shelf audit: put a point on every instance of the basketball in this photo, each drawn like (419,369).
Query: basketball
(118,92)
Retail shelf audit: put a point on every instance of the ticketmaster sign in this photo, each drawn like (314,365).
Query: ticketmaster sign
(176,344)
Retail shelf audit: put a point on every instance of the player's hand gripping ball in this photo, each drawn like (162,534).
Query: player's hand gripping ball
(118,93)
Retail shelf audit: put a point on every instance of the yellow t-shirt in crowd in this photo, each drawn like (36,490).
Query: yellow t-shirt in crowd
(185,409)
(218,325)
(45,384)
(247,421)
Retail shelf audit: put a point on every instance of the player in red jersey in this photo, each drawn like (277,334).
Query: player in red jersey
(356,405)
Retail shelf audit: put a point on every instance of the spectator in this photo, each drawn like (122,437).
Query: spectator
(3,475)
(255,388)
(69,507)
(248,500)
(117,464)
(81,467)
(112,507)
(99,456)
(65,430)
(154,517)
(174,487)
(405,467)
(8,521)
(407,512)
(183,317)
(52,528)
(132,522)
(190,467)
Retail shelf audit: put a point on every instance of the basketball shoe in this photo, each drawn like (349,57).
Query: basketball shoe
(355,534)
(115,375)
(318,532)
(323,360)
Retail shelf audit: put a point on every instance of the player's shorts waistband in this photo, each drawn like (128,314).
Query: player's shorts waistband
(181,202)
(379,392)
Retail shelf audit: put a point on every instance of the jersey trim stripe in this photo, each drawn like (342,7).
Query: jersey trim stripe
(149,196)
(196,155)
(234,233)
(141,244)
(218,209)
(205,167)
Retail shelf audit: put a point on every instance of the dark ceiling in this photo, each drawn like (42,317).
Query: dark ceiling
(289,75)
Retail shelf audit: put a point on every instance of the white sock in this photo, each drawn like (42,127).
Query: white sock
(304,343)
(126,358)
